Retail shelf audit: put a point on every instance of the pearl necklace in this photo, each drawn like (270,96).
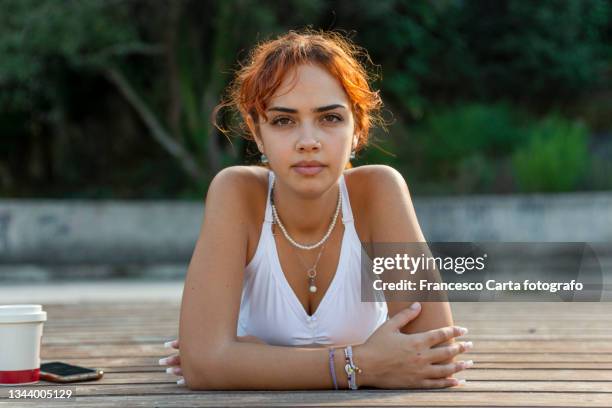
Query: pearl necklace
(291,240)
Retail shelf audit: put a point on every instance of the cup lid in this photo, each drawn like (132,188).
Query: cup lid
(22,314)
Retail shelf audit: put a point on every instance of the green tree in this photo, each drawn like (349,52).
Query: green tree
(193,57)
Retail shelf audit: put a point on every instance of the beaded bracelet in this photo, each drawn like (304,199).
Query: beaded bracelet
(332,368)
(350,368)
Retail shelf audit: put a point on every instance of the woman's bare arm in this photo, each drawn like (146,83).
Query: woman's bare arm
(211,356)
(394,220)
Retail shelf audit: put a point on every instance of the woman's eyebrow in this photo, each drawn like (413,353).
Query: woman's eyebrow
(315,110)
(328,107)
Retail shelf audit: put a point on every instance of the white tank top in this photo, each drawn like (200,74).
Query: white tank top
(270,310)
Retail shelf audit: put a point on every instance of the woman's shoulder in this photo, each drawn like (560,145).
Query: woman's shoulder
(367,185)
(246,184)
(242,178)
(372,179)
(386,204)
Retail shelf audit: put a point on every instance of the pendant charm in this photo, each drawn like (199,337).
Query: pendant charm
(312,272)
(311,285)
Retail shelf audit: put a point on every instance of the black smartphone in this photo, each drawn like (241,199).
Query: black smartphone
(57,371)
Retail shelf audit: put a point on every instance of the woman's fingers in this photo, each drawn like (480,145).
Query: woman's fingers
(174,370)
(174,360)
(438,371)
(443,353)
(443,334)
(442,383)
(172,344)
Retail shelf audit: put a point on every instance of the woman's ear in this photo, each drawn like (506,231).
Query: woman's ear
(253,129)
(355,141)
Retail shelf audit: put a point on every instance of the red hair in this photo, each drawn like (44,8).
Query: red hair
(257,81)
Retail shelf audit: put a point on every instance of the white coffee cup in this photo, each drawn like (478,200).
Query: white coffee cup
(21,328)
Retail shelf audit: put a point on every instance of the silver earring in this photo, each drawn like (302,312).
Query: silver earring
(264,159)
(352,155)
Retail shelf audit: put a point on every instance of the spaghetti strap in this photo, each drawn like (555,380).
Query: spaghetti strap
(268,217)
(347,212)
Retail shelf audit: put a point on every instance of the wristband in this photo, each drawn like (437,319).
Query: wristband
(332,368)
(350,368)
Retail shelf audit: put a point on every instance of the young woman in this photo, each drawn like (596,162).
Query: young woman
(272,294)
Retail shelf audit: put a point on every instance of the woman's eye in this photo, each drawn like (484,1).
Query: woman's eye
(332,118)
(282,121)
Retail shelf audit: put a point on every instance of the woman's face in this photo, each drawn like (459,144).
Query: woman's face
(309,133)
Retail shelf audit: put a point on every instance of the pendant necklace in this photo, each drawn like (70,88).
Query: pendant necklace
(311,273)
(293,241)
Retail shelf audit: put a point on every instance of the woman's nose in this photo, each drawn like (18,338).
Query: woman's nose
(308,142)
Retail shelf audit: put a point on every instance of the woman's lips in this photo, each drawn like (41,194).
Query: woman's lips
(308,170)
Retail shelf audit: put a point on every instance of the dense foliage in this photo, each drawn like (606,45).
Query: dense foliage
(112,98)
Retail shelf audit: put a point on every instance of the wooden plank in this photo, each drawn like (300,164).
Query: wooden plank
(117,339)
(510,325)
(503,374)
(550,366)
(529,357)
(127,350)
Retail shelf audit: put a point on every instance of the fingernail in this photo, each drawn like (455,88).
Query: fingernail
(461,382)
(415,306)
(468,345)
(463,331)
(170,370)
(468,363)
(181,381)
(168,344)
(163,361)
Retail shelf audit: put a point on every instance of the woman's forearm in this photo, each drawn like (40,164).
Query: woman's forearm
(251,366)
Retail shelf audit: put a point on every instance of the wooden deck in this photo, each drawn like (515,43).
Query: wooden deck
(525,354)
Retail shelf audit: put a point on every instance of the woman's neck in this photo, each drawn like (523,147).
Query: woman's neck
(305,219)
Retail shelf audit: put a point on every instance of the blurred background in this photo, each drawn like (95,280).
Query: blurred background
(497,109)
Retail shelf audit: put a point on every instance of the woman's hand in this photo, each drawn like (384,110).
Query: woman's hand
(174,361)
(391,359)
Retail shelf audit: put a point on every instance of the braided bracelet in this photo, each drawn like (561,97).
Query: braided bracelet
(332,368)
(350,368)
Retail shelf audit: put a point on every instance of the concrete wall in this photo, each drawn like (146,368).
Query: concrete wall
(110,232)
(164,232)
(572,217)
